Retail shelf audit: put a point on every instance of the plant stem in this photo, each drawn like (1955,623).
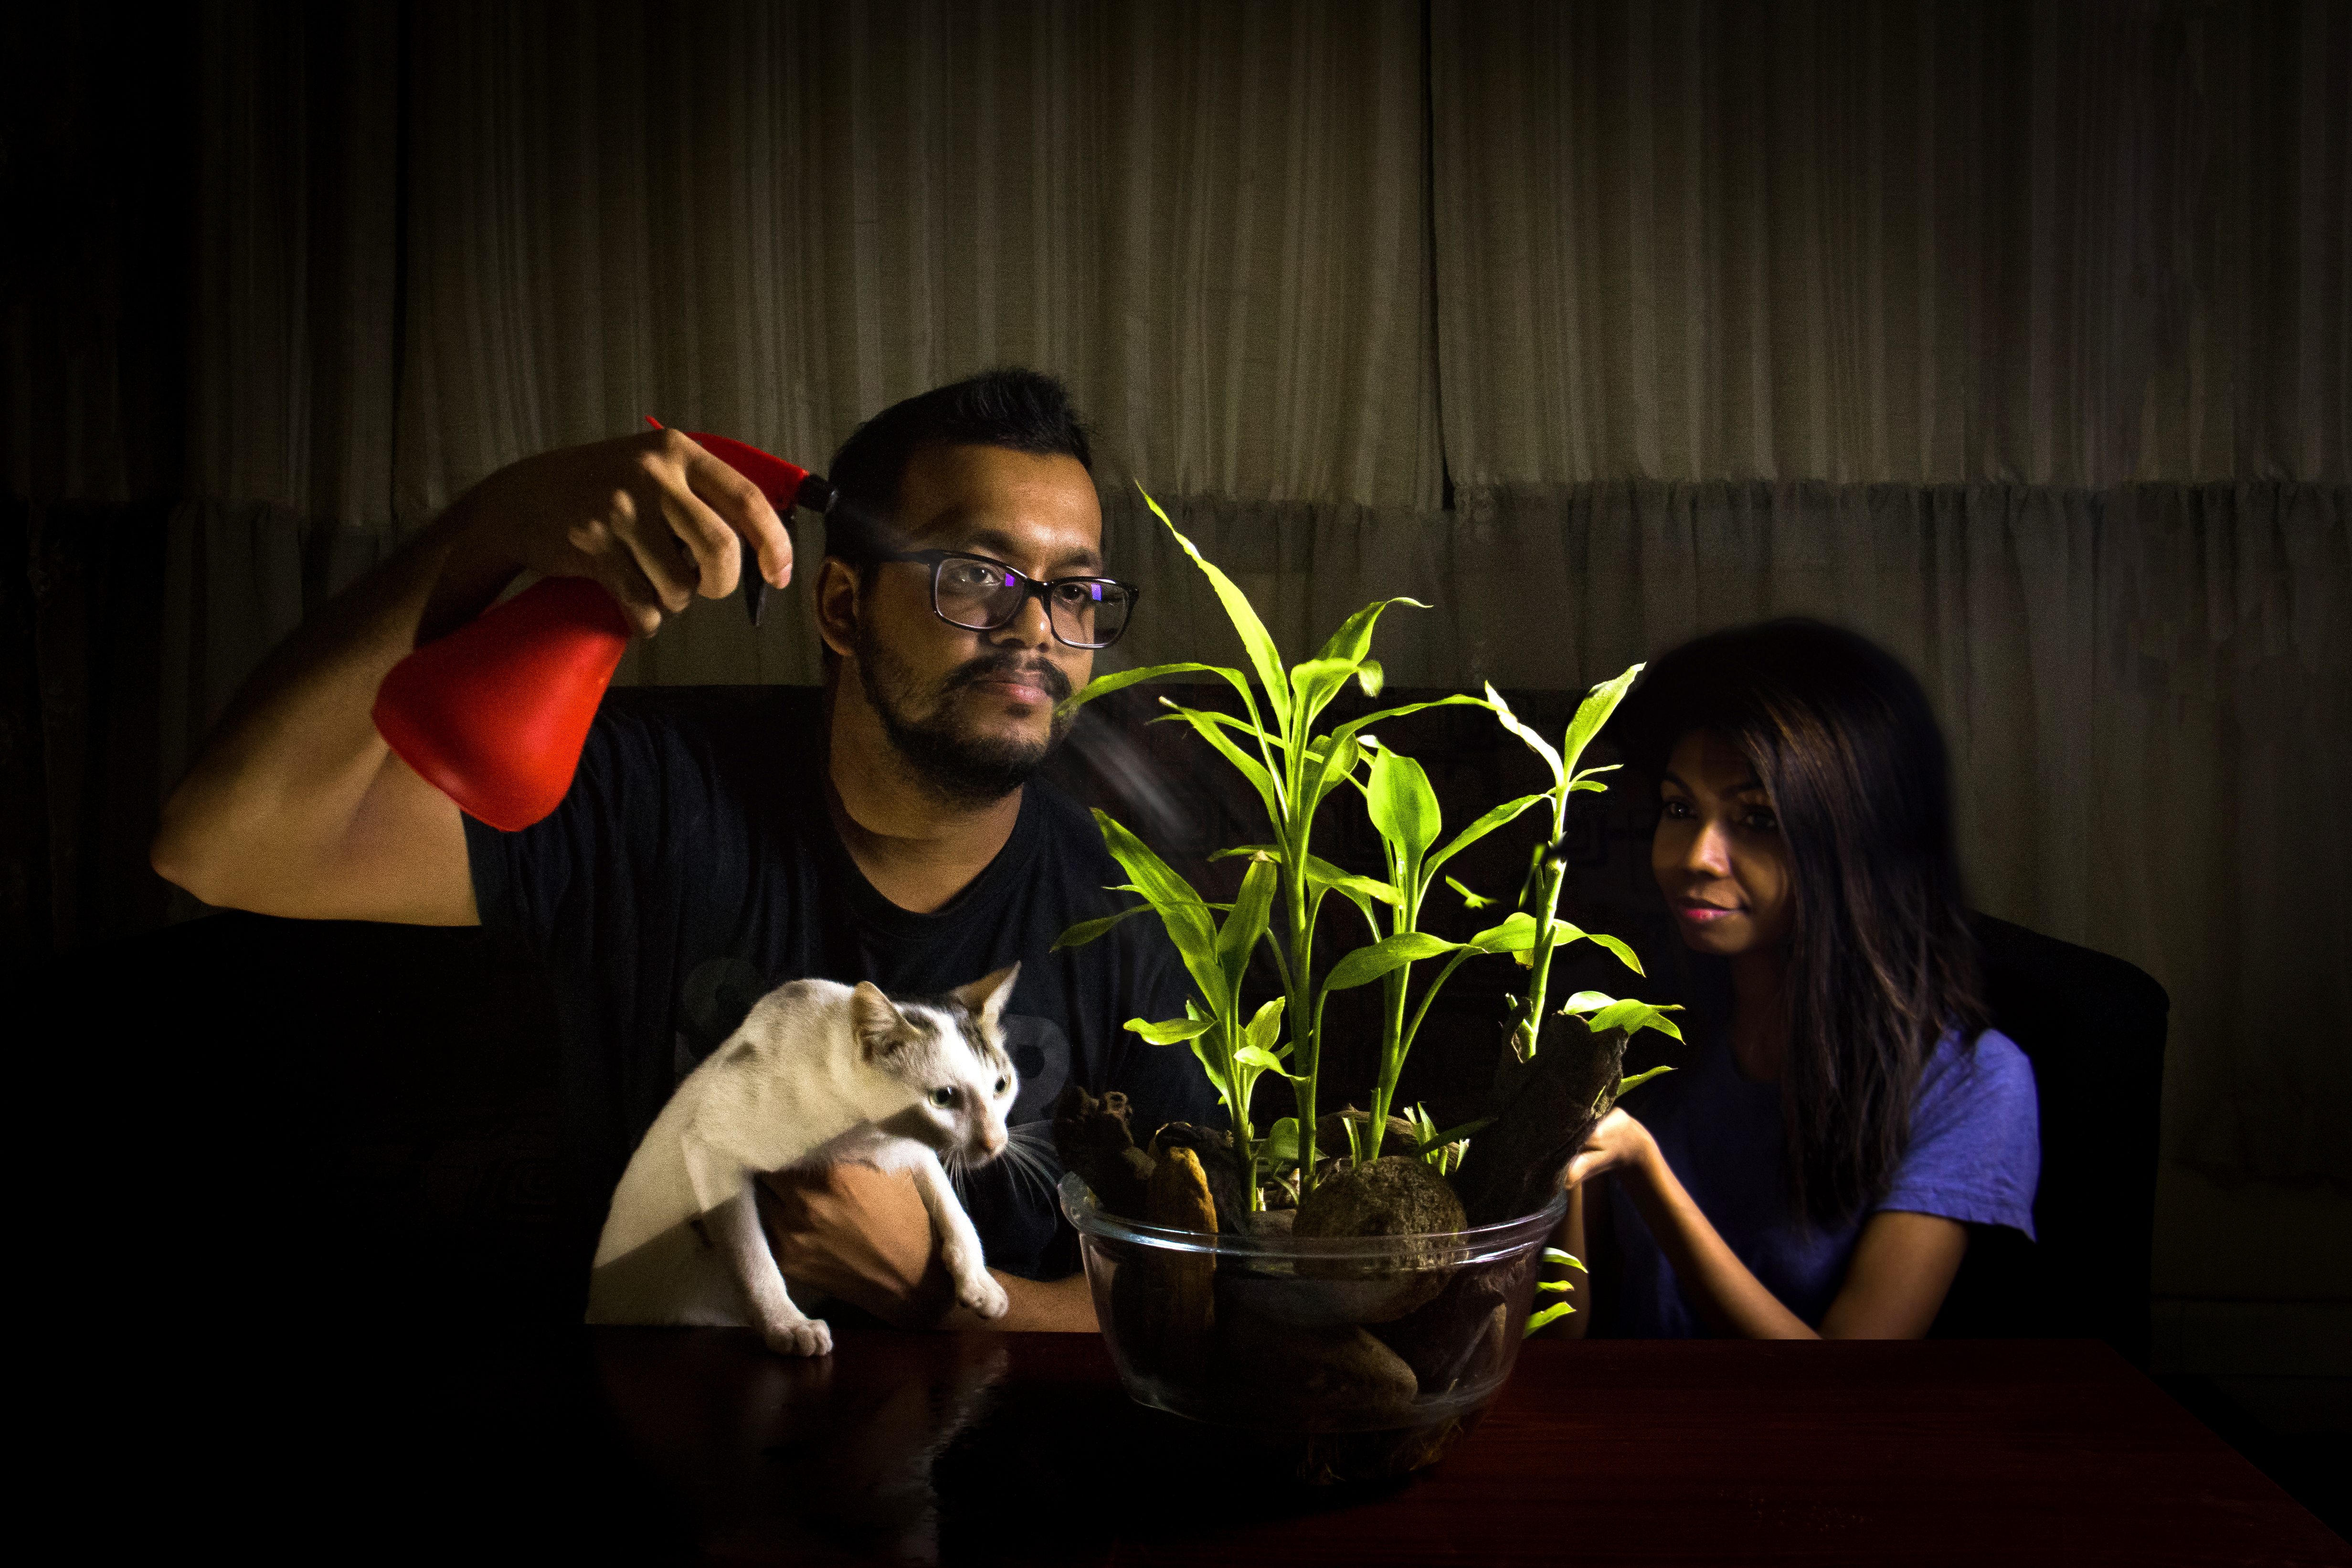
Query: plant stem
(1391,1055)
(1307,1026)
(1553,871)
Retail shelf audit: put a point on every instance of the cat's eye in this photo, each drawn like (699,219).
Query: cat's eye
(1002,1084)
(943,1097)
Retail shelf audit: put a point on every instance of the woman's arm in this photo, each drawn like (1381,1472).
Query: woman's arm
(1902,1264)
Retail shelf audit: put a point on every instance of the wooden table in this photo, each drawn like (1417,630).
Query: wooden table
(1022,1448)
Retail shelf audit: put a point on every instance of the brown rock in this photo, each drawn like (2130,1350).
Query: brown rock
(1214,1148)
(1178,1197)
(1324,1380)
(1092,1138)
(1176,1291)
(1393,1197)
(1516,1162)
(1440,1340)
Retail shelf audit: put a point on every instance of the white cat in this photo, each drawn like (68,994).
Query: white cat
(820,1073)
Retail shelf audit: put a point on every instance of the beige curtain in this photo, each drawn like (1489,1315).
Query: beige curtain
(2063,244)
(2019,337)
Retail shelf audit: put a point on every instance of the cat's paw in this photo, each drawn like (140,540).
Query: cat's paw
(808,1337)
(983,1295)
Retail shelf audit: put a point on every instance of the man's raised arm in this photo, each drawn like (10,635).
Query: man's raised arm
(296,805)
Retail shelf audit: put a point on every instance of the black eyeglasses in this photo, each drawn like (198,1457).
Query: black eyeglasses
(980,595)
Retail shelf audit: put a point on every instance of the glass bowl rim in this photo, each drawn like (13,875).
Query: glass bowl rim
(1475,1244)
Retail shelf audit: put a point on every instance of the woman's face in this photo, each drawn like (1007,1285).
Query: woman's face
(1718,855)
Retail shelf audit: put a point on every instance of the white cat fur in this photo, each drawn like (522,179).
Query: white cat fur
(820,1073)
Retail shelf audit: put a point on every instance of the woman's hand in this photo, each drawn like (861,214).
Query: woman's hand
(1618,1144)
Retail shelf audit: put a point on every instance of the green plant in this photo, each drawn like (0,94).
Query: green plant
(1295,767)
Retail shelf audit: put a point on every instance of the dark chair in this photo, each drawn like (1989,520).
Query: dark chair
(2093,1027)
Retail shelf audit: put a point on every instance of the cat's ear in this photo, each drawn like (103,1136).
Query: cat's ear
(985,997)
(876,1020)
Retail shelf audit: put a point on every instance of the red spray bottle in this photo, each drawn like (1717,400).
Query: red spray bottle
(495,714)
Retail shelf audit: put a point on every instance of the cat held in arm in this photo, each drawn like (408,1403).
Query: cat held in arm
(819,1074)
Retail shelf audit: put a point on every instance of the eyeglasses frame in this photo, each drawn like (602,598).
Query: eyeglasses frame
(1031,588)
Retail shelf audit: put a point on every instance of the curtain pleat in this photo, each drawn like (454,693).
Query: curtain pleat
(774,221)
(1934,243)
(2018,337)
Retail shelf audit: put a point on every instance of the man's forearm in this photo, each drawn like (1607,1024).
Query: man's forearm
(1037,1306)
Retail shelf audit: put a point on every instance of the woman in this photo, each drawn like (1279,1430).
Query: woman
(1814,1170)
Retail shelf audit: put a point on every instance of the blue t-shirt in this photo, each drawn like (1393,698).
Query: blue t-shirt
(1974,1155)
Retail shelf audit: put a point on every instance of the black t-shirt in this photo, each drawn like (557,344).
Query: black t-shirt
(693,867)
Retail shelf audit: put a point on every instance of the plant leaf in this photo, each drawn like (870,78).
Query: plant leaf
(1624,954)
(1120,679)
(1181,910)
(1261,1058)
(1314,682)
(1237,939)
(1354,637)
(1205,725)
(1469,900)
(1368,964)
(1281,1141)
(1551,1314)
(1173,1031)
(1638,1079)
(1324,876)
(1086,931)
(1515,934)
(1264,657)
(1536,743)
(1600,1012)
(1335,761)
(1356,726)
(1508,810)
(1451,1135)
(1405,810)
(1594,712)
(1559,1255)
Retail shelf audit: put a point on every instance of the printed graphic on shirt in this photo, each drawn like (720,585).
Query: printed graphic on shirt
(1041,1055)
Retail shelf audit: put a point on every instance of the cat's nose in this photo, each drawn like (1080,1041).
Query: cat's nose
(991,1141)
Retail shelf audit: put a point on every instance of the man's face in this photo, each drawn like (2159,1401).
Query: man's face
(973,710)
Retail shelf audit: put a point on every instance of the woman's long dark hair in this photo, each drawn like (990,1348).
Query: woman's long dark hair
(1881,960)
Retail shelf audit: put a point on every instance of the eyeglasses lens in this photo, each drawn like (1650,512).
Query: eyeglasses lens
(1085,612)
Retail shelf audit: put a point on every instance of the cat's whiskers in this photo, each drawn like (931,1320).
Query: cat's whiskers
(1029,1154)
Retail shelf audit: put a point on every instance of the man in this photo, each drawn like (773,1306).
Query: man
(887,831)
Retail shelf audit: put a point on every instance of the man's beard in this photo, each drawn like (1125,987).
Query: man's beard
(964,770)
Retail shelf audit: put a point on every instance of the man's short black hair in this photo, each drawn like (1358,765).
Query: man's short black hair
(1020,410)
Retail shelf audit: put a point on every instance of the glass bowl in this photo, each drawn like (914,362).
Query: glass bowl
(1401,1339)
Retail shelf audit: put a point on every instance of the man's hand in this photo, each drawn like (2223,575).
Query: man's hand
(860,1233)
(654,518)
(864,1235)
(297,807)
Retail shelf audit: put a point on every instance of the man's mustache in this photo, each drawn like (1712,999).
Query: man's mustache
(986,668)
